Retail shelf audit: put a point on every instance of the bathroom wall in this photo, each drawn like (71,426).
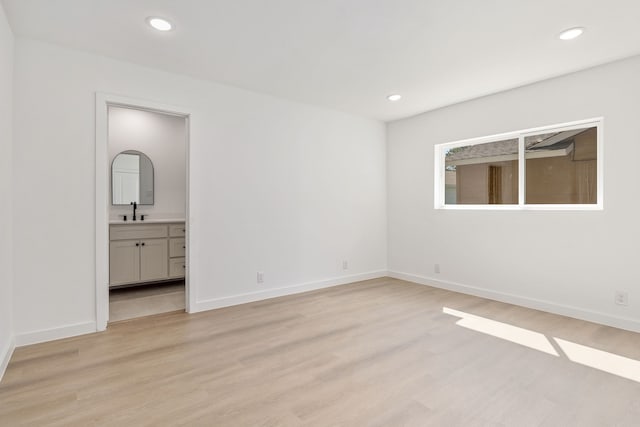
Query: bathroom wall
(6,191)
(276,186)
(162,138)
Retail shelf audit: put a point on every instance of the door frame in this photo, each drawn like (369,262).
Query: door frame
(103,190)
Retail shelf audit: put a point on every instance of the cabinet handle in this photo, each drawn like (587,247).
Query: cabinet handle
(184,231)
(184,247)
(137,244)
(142,243)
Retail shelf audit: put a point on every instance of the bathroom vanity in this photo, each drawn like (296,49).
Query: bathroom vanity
(143,252)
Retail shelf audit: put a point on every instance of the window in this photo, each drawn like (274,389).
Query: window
(482,174)
(555,167)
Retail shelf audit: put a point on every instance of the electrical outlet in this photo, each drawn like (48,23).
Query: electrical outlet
(436,268)
(345,265)
(622,298)
(260,277)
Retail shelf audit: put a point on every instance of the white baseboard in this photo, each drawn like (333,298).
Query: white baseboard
(60,332)
(548,306)
(5,355)
(211,304)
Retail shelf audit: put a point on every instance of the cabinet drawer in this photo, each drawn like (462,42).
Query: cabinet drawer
(177,267)
(177,230)
(130,232)
(176,248)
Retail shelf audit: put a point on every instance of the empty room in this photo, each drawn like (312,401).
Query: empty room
(319,213)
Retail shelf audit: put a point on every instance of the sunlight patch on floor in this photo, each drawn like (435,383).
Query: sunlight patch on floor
(525,337)
(601,360)
(588,356)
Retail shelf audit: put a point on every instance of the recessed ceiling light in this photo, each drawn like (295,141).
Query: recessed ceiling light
(571,33)
(160,24)
(394,97)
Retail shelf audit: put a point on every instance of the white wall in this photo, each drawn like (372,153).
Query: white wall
(6,190)
(568,262)
(280,187)
(162,138)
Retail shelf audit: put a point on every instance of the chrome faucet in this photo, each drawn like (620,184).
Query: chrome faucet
(135,205)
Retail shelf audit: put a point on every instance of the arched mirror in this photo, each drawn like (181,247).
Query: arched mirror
(131,179)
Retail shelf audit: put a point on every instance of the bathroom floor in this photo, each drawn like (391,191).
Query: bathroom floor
(129,303)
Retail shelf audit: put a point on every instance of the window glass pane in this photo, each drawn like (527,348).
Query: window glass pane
(561,167)
(482,174)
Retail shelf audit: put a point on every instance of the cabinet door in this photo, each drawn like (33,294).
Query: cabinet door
(154,264)
(177,268)
(124,262)
(176,248)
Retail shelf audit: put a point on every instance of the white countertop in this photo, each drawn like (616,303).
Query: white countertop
(146,221)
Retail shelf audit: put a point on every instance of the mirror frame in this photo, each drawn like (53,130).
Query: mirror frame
(153,179)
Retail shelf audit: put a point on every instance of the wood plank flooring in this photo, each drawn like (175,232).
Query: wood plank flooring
(373,353)
(141,301)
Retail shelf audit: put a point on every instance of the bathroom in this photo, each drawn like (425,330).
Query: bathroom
(147,212)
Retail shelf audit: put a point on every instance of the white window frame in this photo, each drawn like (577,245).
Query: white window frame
(439,163)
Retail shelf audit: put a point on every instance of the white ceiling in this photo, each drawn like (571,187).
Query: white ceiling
(347,54)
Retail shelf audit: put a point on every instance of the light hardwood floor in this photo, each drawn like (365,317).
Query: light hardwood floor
(375,353)
(140,301)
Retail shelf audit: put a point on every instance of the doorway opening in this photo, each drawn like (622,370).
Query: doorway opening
(141,209)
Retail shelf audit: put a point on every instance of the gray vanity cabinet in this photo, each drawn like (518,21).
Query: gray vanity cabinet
(177,250)
(141,253)
(124,262)
(154,263)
